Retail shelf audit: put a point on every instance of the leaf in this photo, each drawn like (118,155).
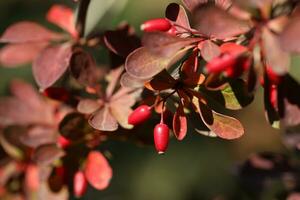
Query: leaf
(97,170)
(51,64)
(131,82)
(122,41)
(13,55)
(63,17)
(26,31)
(47,154)
(179,123)
(161,81)
(289,37)
(213,21)
(113,80)
(142,64)
(38,135)
(165,45)
(88,106)
(103,120)
(177,14)
(74,126)
(45,192)
(276,58)
(83,68)
(224,126)
(209,50)
(121,111)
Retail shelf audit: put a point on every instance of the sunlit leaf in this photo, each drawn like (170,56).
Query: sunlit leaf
(103,120)
(26,31)
(121,110)
(63,17)
(51,64)
(213,21)
(13,55)
(97,170)
(88,106)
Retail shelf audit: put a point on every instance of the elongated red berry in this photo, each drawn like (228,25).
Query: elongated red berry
(273,77)
(139,115)
(221,63)
(161,137)
(80,184)
(159,24)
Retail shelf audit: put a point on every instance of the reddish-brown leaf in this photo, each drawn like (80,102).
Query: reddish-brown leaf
(164,44)
(214,21)
(276,58)
(142,64)
(63,17)
(13,55)
(177,14)
(97,170)
(51,64)
(209,50)
(179,123)
(47,154)
(27,31)
(193,4)
(103,120)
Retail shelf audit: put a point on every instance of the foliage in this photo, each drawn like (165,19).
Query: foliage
(184,69)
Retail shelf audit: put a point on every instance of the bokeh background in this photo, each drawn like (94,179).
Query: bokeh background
(196,168)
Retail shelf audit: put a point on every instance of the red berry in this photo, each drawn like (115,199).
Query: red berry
(161,137)
(139,115)
(172,31)
(221,63)
(80,184)
(273,96)
(63,142)
(159,24)
(273,77)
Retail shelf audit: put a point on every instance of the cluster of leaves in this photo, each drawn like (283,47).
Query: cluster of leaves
(188,72)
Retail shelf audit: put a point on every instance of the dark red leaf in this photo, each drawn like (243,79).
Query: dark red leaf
(180,123)
(47,154)
(214,21)
(97,170)
(122,41)
(51,64)
(13,55)
(26,31)
(177,14)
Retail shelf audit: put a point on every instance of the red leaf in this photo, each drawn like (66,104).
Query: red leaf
(177,14)
(97,170)
(51,64)
(27,31)
(179,123)
(209,50)
(213,21)
(63,17)
(18,54)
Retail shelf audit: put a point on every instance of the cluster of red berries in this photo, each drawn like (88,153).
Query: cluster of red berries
(161,130)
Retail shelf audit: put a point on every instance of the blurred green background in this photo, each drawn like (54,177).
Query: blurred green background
(196,168)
